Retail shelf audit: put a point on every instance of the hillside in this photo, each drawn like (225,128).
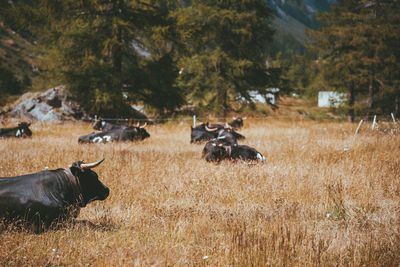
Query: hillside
(292,19)
(18,63)
(16,53)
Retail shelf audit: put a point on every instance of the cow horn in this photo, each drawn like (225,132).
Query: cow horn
(210,129)
(137,124)
(144,125)
(91,165)
(227,125)
(221,137)
(234,118)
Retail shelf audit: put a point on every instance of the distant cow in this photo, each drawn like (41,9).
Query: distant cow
(131,133)
(22,130)
(236,152)
(200,133)
(45,197)
(216,128)
(207,131)
(237,122)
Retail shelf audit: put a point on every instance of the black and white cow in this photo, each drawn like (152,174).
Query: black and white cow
(37,200)
(22,130)
(220,152)
(123,134)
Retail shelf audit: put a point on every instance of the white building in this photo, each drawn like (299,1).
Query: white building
(327,99)
(271,97)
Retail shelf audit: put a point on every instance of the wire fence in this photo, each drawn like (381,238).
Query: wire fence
(196,119)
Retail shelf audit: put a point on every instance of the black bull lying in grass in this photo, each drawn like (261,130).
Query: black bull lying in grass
(237,152)
(123,133)
(40,199)
(22,130)
(223,149)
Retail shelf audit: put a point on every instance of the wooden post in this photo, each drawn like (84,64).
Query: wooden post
(359,125)
(394,120)
(373,124)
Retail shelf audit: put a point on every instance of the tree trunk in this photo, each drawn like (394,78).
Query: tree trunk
(396,104)
(350,103)
(117,48)
(371,93)
(225,103)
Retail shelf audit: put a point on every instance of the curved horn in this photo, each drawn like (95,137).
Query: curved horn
(144,125)
(137,124)
(210,129)
(91,165)
(234,118)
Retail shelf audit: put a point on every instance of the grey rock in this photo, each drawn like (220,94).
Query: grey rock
(51,106)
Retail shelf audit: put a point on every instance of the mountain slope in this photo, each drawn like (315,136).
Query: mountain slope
(292,18)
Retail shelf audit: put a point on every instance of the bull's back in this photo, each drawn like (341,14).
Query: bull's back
(38,193)
(7,132)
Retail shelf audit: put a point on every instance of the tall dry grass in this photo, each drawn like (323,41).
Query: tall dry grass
(322,198)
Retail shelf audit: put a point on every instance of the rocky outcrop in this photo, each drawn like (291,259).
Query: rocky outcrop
(51,106)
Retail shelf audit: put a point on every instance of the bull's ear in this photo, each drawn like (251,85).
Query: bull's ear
(76,168)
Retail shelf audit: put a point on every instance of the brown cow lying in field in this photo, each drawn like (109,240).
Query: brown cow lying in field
(40,199)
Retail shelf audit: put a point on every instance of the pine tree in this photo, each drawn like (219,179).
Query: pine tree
(224,52)
(354,46)
(94,48)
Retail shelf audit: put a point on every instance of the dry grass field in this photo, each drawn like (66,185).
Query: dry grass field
(322,198)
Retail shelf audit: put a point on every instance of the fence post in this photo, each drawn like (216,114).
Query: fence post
(373,124)
(359,125)
(394,120)
(194,121)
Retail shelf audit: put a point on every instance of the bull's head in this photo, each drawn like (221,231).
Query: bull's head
(92,188)
(99,124)
(24,129)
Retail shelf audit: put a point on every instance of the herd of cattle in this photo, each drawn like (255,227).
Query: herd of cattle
(222,138)
(40,199)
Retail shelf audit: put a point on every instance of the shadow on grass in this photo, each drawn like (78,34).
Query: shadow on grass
(73,224)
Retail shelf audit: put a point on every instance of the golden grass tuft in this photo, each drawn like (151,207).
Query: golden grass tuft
(323,197)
